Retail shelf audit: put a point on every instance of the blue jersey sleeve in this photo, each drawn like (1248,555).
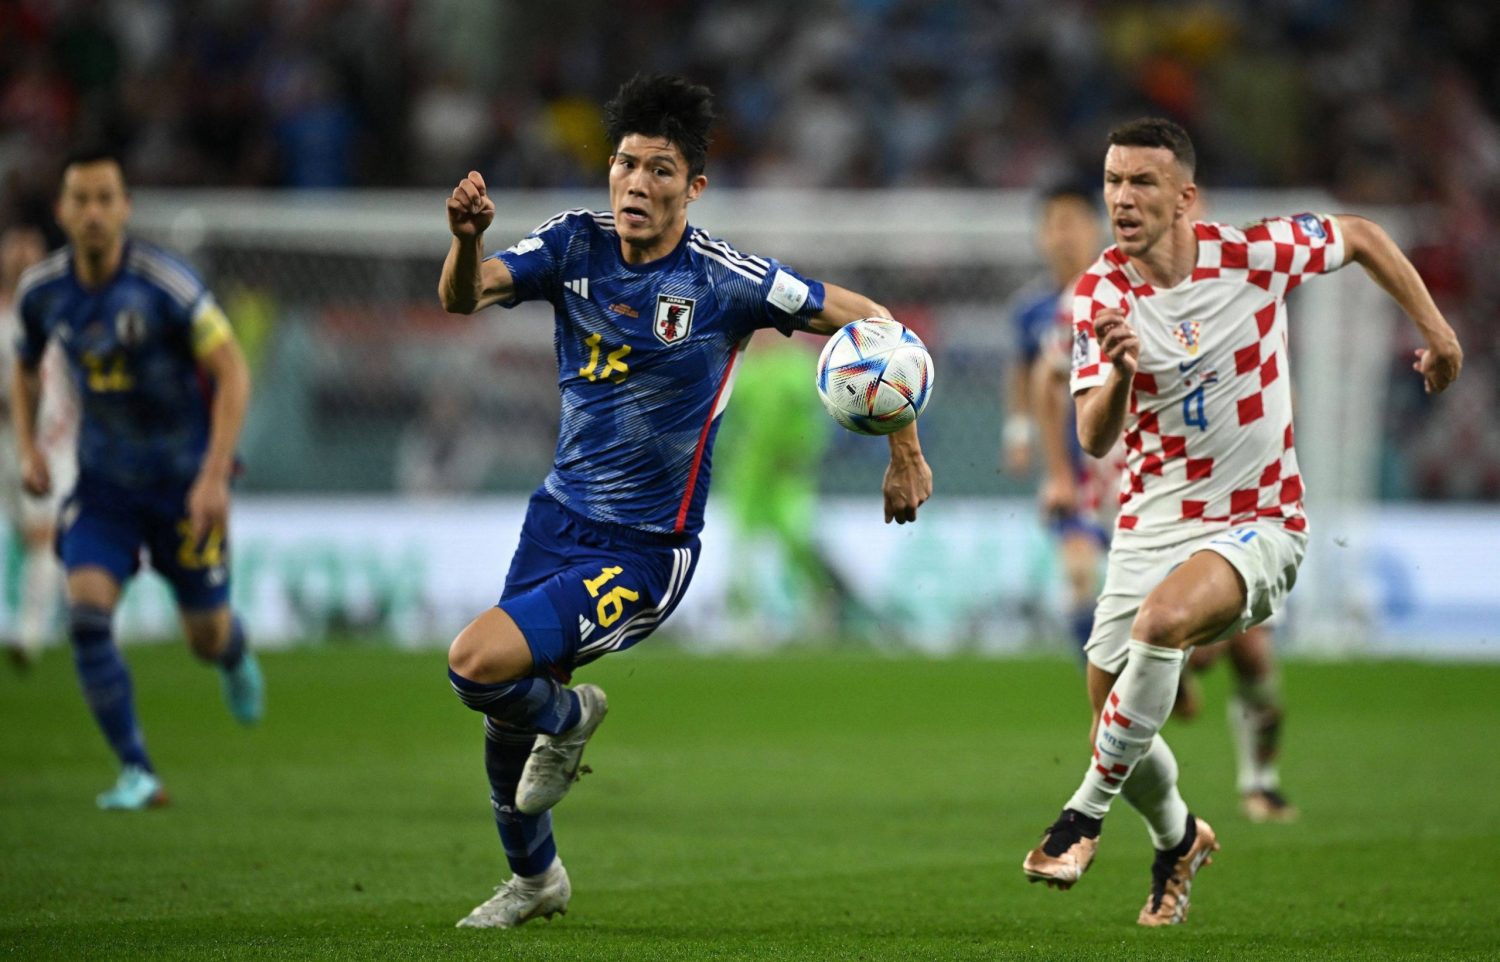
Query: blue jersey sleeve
(534,261)
(1033,318)
(31,335)
(184,293)
(787,300)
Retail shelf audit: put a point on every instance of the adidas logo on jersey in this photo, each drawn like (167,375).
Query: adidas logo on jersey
(579,286)
(585,627)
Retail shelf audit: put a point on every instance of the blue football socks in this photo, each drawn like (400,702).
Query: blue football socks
(234,649)
(535,704)
(527,839)
(106,683)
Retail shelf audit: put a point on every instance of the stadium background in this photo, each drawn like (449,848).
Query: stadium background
(849,798)
(298,153)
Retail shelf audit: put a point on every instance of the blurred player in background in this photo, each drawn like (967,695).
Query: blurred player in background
(1086,491)
(1069,237)
(1179,348)
(163,389)
(33,518)
(651,318)
(768,472)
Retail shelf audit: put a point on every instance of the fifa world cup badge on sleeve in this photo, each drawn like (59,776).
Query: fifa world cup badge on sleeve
(787,292)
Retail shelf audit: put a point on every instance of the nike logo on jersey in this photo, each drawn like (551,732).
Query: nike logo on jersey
(1188,365)
(579,286)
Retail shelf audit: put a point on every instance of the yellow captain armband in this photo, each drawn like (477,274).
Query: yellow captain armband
(210,328)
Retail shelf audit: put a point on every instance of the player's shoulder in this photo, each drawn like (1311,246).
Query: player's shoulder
(576,219)
(716,255)
(165,270)
(1105,280)
(1303,227)
(1036,295)
(48,272)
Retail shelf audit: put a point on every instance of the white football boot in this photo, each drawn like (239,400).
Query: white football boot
(552,767)
(523,898)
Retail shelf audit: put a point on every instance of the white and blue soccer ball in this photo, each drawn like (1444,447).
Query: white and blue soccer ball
(874,376)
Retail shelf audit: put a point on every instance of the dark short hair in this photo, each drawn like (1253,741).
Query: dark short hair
(1157,132)
(92,154)
(664,105)
(1073,189)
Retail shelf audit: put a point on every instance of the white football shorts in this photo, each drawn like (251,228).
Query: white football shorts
(1264,553)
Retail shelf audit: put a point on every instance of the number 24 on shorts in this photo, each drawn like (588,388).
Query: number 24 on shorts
(612,604)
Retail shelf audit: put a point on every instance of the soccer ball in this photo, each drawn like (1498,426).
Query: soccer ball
(874,376)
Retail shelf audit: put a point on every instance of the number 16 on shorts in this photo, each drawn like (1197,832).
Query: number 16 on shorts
(611,602)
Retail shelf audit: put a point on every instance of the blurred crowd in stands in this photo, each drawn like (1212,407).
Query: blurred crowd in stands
(1376,101)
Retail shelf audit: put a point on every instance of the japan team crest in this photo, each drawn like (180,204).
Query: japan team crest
(1187,335)
(130,328)
(674,318)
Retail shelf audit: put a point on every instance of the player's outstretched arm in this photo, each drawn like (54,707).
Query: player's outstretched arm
(1367,244)
(840,306)
(908,479)
(1102,409)
(469,282)
(25,390)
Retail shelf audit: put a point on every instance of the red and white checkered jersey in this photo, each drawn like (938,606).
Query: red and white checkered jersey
(1208,436)
(1097,478)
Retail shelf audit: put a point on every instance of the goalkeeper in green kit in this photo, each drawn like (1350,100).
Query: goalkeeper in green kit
(767,473)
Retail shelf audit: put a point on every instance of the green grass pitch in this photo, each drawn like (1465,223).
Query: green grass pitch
(791,807)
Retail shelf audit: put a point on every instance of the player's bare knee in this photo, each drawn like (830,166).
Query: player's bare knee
(1164,624)
(478,658)
(465,656)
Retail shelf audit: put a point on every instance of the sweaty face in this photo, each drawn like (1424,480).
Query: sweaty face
(649,190)
(93,207)
(1144,192)
(1069,235)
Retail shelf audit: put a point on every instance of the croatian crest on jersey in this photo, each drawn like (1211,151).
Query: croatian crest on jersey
(1186,333)
(130,328)
(674,318)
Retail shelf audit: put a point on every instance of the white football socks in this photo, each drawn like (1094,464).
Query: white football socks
(41,598)
(1133,713)
(1255,720)
(1151,790)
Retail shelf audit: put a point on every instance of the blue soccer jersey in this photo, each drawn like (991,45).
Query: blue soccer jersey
(646,359)
(1034,311)
(132,345)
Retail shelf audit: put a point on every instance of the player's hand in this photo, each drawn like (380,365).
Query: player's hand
(36,477)
(1117,341)
(1439,364)
(907,485)
(470,209)
(207,506)
(1059,496)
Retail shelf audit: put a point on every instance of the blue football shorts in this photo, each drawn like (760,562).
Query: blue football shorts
(108,528)
(580,589)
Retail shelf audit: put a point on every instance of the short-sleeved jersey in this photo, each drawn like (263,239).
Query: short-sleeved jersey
(1208,436)
(132,347)
(1033,311)
(57,407)
(1098,478)
(646,359)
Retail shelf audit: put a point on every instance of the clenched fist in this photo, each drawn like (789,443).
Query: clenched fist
(1117,341)
(470,210)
